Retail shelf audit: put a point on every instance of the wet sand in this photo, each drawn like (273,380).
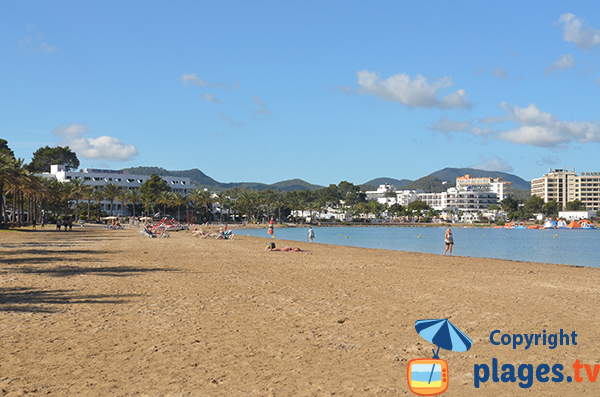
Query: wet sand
(97,312)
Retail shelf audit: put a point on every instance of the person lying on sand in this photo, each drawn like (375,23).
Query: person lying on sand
(271,247)
(199,233)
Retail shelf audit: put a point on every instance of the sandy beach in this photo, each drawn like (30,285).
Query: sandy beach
(97,312)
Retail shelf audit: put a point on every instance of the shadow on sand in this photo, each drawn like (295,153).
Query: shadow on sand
(72,270)
(31,300)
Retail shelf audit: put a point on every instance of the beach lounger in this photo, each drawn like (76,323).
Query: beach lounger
(164,234)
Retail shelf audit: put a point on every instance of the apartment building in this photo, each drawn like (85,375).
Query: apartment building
(499,186)
(562,186)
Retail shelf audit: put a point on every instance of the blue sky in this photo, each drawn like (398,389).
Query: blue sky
(266,91)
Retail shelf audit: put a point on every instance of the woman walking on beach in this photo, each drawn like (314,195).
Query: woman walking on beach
(311,234)
(449,241)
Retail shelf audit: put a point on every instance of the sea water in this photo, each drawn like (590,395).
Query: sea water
(561,246)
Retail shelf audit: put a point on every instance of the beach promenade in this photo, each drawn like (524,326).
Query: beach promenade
(97,312)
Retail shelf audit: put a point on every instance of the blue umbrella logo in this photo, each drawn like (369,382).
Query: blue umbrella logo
(444,334)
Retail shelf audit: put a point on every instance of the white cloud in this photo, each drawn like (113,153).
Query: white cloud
(232,123)
(446,125)
(500,72)
(104,147)
(195,80)
(548,160)
(191,78)
(262,106)
(493,164)
(210,98)
(258,101)
(34,42)
(565,62)
(539,128)
(409,92)
(574,32)
(344,89)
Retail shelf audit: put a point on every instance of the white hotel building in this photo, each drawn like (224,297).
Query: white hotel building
(387,194)
(471,195)
(99,178)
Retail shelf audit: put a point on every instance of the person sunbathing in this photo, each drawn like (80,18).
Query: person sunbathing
(199,233)
(271,247)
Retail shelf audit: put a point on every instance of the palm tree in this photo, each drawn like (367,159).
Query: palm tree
(75,190)
(87,194)
(244,201)
(133,196)
(206,201)
(6,174)
(18,177)
(111,191)
(99,196)
(221,198)
(195,196)
(268,197)
(178,200)
(122,197)
(147,201)
(164,198)
(279,203)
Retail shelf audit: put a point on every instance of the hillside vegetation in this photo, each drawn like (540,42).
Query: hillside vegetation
(436,182)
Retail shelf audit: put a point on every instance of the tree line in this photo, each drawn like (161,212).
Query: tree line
(26,197)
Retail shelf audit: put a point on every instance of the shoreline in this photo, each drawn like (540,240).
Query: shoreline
(108,312)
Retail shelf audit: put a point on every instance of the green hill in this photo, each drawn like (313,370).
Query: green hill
(201,181)
(430,184)
(375,183)
(450,175)
(436,182)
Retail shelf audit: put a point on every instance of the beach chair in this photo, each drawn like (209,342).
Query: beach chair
(227,235)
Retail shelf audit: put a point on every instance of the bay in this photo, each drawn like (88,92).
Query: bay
(559,246)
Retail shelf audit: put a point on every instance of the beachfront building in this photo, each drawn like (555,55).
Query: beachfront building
(387,194)
(472,201)
(576,215)
(562,186)
(437,201)
(98,178)
(499,186)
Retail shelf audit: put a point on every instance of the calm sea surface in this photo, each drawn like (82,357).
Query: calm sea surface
(572,247)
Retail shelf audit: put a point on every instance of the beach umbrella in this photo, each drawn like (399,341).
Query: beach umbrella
(444,334)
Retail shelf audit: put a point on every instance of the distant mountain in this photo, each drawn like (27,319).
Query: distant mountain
(430,184)
(374,183)
(200,180)
(195,175)
(450,175)
(436,182)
